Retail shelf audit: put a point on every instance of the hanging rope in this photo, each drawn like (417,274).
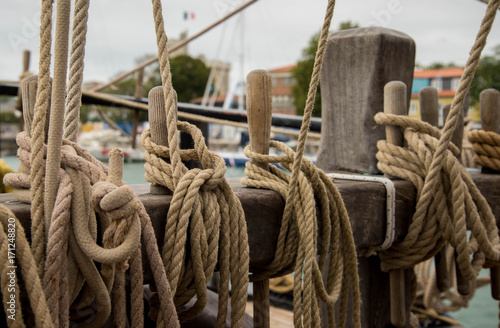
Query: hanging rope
(64,239)
(306,189)
(204,212)
(486,147)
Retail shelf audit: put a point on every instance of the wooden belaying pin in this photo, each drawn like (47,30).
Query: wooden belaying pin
(158,125)
(429,112)
(259,109)
(490,121)
(395,103)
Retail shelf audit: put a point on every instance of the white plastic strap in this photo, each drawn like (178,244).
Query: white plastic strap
(390,230)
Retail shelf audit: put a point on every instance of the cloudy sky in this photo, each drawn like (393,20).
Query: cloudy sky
(274,34)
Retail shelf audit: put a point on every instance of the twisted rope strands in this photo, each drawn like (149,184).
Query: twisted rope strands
(57,107)
(55,279)
(37,169)
(486,147)
(168,90)
(432,176)
(73,100)
(342,274)
(29,269)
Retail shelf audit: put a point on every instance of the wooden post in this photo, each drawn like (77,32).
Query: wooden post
(138,95)
(26,67)
(429,112)
(259,101)
(395,103)
(158,125)
(490,121)
(358,63)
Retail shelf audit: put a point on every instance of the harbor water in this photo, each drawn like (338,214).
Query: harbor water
(483,311)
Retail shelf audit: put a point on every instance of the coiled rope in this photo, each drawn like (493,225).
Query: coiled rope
(205,223)
(486,147)
(64,225)
(447,199)
(299,240)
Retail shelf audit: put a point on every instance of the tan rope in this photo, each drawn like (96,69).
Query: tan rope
(204,202)
(25,261)
(58,98)
(37,169)
(447,197)
(486,147)
(74,97)
(297,242)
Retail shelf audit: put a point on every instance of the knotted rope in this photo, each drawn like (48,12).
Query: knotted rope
(205,223)
(299,240)
(447,199)
(486,147)
(64,238)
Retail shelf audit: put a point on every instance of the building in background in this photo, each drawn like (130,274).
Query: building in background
(445,80)
(282,82)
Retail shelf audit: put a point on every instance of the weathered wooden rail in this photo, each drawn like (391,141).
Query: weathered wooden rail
(364,201)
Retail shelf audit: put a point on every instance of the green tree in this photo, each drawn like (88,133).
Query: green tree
(189,77)
(438,65)
(303,71)
(487,75)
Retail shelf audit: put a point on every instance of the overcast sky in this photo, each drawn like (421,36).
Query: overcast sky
(274,34)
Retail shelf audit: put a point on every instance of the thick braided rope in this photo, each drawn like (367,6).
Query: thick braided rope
(300,228)
(205,213)
(456,203)
(200,197)
(25,261)
(37,169)
(299,225)
(58,99)
(74,97)
(486,147)
(432,178)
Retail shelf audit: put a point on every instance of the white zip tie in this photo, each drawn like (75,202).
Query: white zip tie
(390,230)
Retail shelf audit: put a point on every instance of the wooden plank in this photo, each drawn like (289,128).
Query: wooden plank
(358,63)
(264,208)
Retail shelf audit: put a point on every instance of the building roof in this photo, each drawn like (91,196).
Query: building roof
(282,69)
(441,72)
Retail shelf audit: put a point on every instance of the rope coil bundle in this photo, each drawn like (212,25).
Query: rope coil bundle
(486,147)
(67,186)
(299,240)
(447,199)
(454,202)
(205,223)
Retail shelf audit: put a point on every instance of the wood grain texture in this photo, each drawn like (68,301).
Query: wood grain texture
(357,64)
(158,125)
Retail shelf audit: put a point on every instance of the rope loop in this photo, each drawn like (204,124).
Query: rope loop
(316,203)
(453,204)
(486,147)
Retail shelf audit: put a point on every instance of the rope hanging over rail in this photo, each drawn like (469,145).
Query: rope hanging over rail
(447,199)
(64,225)
(205,223)
(306,189)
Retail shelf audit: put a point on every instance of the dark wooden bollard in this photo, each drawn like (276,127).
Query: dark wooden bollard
(358,63)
